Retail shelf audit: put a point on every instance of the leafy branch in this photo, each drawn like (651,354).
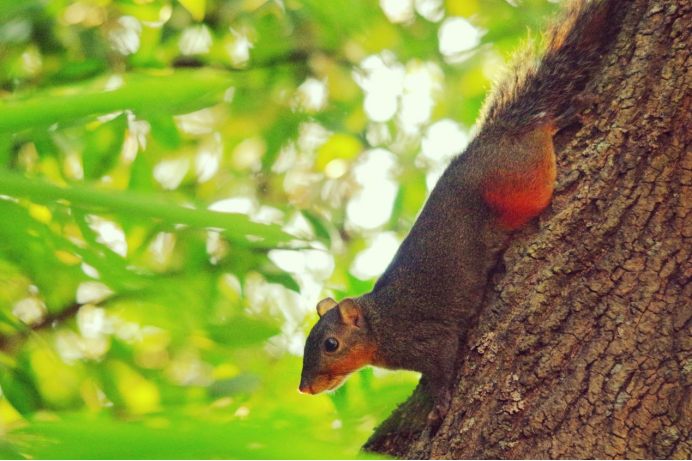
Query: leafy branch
(235,226)
(178,92)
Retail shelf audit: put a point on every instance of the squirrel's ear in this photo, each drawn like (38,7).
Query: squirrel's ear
(324,305)
(350,313)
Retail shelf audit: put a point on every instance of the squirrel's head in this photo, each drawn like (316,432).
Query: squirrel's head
(339,344)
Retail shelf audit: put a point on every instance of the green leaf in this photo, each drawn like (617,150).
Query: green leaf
(178,93)
(318,226)
(103,145)
(18,389)
(195,7)
(141,178)
(242,331)
(12,321)
(164,131)
(282,278)
(244,384)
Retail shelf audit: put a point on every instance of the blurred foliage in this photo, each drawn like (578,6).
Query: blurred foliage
(182,181)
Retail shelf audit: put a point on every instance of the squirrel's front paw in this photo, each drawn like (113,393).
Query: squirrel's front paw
(439,412)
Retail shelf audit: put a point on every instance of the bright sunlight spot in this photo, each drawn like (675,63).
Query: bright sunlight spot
(239,48)
(442,141)
(372,261)
(398,10)
(208,159)
(432,10)
(29,310)
(312,95)
(382,79)
(422,82)
(457,36)
(195,40)
(125,39)
(371,207)
(109,233)
(92,292)
(170,173)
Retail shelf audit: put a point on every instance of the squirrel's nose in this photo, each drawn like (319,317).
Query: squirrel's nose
(304,388)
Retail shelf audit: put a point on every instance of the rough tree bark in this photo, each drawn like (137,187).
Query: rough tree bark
(584,346)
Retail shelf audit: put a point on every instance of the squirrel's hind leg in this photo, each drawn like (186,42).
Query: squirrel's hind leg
(519,183)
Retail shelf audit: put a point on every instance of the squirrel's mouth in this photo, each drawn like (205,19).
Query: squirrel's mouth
(326,382)
(337,383)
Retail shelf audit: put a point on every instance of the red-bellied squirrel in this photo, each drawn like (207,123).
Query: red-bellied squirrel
(426,300)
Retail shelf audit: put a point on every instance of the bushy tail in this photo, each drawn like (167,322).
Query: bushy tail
(540,88)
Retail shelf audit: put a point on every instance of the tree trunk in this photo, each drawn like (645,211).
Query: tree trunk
(584,346)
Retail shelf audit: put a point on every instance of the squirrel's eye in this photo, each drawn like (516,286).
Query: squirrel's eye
(331,344)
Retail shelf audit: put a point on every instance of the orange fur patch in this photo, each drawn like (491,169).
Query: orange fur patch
(518,198)
(358,357)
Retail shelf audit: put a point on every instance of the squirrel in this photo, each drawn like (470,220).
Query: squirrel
(427,299)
